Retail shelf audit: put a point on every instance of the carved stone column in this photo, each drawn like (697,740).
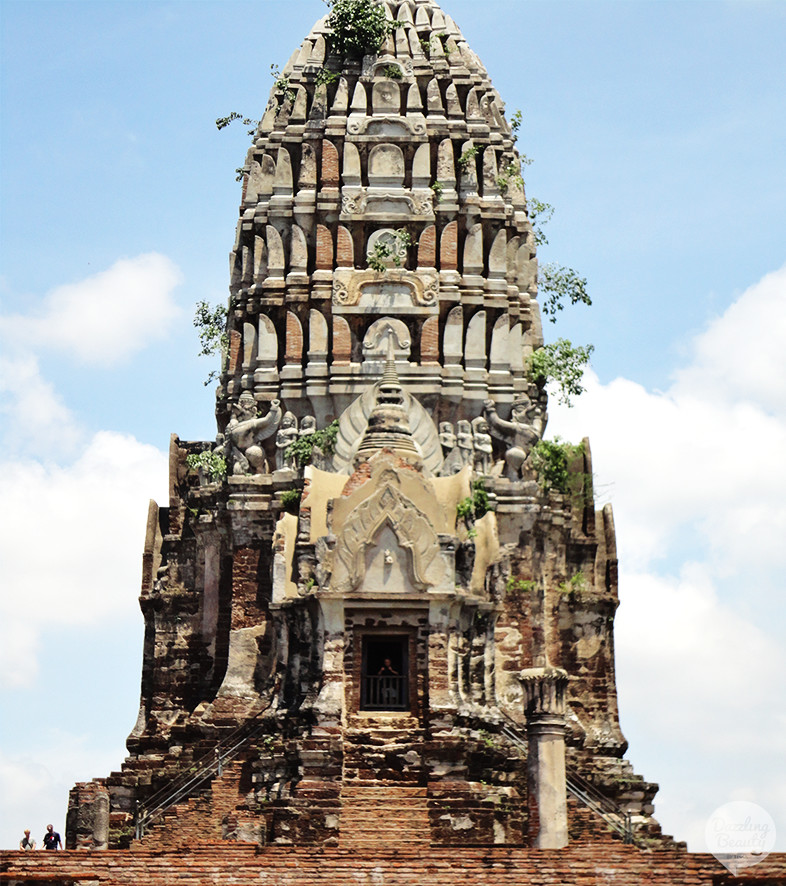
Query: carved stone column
(546,791)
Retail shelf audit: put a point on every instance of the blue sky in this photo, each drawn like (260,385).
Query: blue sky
(658,131)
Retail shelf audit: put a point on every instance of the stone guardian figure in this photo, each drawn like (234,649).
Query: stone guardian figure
(483,445)
(520,433)
(245,432)
(286,436)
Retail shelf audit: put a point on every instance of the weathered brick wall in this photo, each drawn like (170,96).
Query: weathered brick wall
(221,865)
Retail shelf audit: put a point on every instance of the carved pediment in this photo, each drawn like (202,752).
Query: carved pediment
(388,508)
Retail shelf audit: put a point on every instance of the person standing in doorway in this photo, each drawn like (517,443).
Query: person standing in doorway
(389,686)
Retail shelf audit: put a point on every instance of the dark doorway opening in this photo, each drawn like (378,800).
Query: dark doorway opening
(385,677)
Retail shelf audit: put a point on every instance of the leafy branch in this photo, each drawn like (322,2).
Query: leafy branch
(556,284)
(302,449)
(281,83)
(213,464)
(561,362)
(290,500)
(384,251)
(357,27)
(223,122)
(574,586)
(519,585)
(540,214)
(551,460)
(473,506)
(211,323)
(511,173)
(467,157)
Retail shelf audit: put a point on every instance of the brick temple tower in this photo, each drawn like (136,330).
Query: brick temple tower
(367,618)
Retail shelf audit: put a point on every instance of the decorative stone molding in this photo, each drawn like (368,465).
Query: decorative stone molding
(396,290)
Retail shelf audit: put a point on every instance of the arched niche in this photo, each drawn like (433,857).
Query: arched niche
(382,331)
(473,251)
(317,333)
(342,341)
(350,174)
(294,342)
(386,97)
(498,255)
(499,357)
(260,259)
(282,183)
(475,349)
(448,247)
(421,167)
(249,345)
(276,261)
(386,166)
(429,341)
(298,251)
(267,343)
(453,336)
(427,247)
(329,165)
(324,259)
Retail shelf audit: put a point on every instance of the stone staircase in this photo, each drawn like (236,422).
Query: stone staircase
(201,817)
(375,817)
(383,803)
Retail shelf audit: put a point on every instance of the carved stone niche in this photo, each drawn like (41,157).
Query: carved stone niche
(386,534)
(395,290)
(375,342)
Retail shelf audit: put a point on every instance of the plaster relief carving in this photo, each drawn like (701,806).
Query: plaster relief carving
(396,289)
(381,206)
(375,343)
(413,532)
(287,434)
(387,127)
(521,433)
(246,431)
(354,421)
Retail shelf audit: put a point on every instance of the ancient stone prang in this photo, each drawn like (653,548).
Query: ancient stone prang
(350,608)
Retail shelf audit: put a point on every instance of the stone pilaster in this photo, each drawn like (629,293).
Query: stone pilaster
(544,690)
(87,820)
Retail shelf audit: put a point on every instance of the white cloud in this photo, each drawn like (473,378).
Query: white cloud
(71,542)
(699,493)
(103,319)
(35,419)
(674,634)
(694,455)
(741,357)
